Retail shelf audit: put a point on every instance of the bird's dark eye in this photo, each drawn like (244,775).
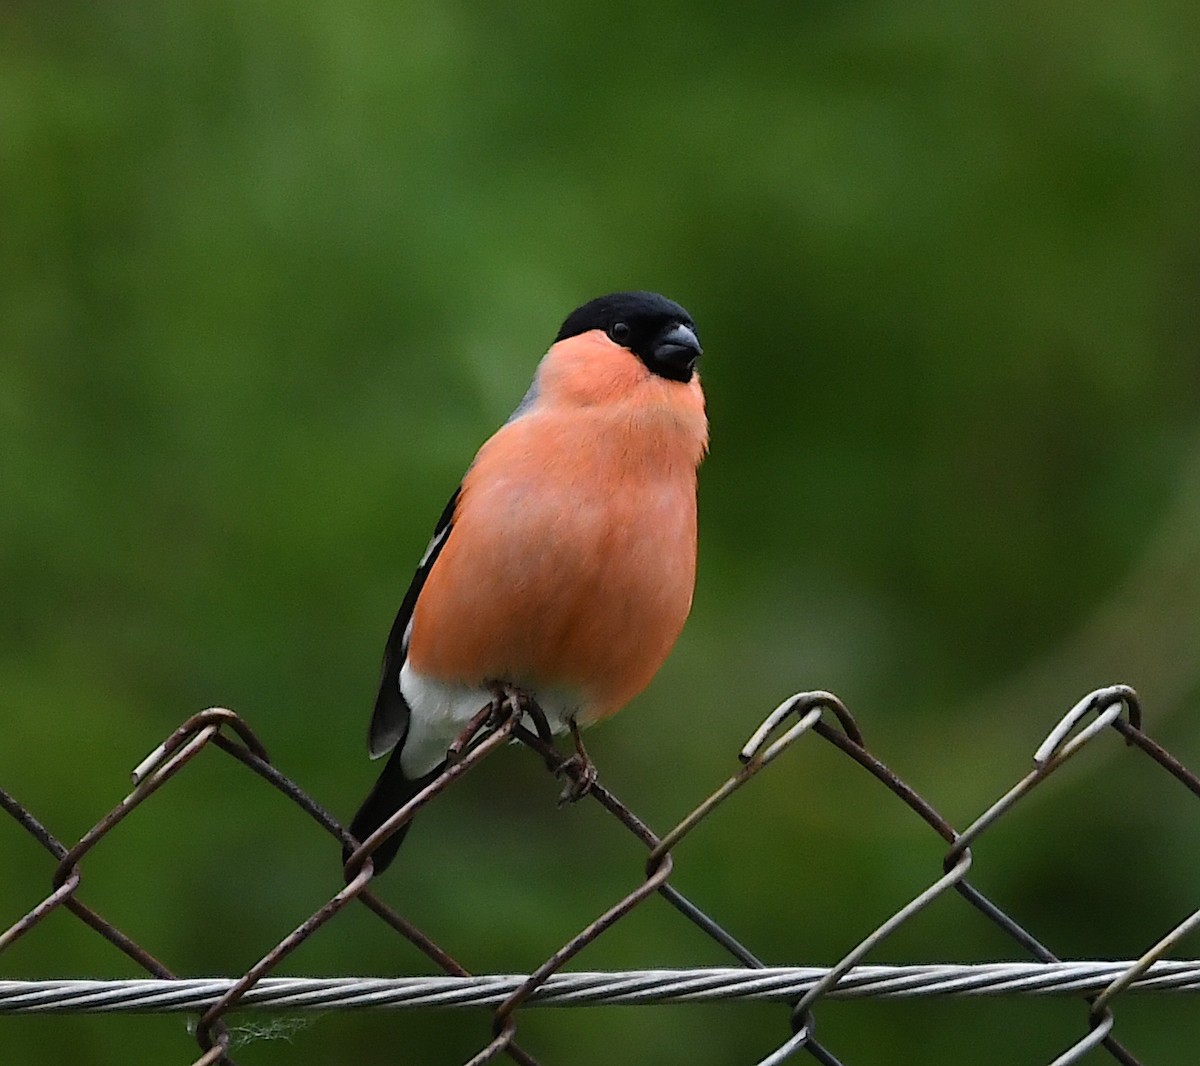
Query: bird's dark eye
(619,332)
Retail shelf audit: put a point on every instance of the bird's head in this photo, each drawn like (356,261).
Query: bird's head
(657,330)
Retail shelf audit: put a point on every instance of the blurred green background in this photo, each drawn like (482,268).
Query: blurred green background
(271,272)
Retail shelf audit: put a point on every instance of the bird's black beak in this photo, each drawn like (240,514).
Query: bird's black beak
(675,351)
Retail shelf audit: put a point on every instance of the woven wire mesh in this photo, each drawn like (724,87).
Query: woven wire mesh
(814,717)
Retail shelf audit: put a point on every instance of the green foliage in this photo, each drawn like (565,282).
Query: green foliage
(272,272)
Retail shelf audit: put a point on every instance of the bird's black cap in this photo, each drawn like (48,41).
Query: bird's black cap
(657,330)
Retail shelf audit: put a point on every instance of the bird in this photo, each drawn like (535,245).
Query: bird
(563,567)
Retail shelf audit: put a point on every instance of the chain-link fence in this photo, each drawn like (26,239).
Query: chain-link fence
(817,715)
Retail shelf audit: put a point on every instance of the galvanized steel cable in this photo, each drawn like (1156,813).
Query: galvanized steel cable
(620,988)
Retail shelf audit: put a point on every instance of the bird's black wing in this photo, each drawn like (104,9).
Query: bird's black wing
(389,723)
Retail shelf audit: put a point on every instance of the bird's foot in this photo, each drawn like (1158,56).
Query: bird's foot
(520,703)
(581,776)
(579,770)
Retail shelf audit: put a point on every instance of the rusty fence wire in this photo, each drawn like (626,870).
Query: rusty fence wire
(810,717)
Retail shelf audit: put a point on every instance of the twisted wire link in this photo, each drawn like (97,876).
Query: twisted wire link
(167,759)
(755,757)
(813,714)
(179,748)
(1059,746)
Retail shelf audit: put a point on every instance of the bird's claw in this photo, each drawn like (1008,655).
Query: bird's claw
(581,775)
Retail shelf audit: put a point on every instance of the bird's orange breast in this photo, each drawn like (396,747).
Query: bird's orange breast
(572,558)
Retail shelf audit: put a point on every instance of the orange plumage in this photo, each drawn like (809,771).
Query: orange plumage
(573,558)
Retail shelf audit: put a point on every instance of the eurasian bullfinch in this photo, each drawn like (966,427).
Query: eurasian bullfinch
(563,566)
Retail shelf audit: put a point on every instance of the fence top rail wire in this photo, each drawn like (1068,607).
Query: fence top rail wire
(589,988)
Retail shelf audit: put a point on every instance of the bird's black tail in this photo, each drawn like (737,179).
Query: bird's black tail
(391,792)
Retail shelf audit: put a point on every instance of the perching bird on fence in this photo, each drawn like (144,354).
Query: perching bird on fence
(563,566)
